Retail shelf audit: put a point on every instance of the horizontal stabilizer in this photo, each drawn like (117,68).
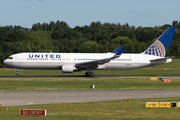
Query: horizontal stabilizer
(165,58)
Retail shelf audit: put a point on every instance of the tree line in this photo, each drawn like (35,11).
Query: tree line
(95,38)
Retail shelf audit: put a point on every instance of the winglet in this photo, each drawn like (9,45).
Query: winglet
(119,53)
(121,50)
(116,50)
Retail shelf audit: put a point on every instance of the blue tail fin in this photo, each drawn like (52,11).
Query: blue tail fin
(161,45)
(121,50)
(116,50)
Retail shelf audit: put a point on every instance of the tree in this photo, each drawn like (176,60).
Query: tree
(61,25)
(90,47)
(18,28)
(51,26)
(36,27)
(57,34)
(9,28)
(174,23)
(9,47)
(121,40)
(96,31)
(2,57)
(3,33)
(16,36)
(45,26)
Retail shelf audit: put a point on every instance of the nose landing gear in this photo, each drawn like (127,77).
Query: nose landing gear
(17,73)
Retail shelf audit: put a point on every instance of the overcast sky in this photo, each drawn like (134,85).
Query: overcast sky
(145,13)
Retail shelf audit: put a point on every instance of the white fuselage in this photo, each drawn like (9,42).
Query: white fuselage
(56,60)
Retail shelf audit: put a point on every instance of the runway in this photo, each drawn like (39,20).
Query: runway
(96,76)
(16,98)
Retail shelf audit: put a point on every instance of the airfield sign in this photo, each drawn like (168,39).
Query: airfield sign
(33,112)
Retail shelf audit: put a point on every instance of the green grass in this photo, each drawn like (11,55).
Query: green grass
(96,72)
(117,109)
(172,68)
(57,84)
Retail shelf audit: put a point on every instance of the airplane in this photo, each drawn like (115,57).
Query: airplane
(72,62)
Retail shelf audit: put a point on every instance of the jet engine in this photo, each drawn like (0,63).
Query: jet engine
(69,68)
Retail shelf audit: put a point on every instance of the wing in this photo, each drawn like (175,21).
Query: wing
(95,63)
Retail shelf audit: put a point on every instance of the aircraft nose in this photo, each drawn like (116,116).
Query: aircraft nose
(5,62)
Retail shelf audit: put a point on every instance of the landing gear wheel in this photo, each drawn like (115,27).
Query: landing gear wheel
(89,74)
(17,74)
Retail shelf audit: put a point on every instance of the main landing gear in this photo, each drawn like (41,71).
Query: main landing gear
(89,74)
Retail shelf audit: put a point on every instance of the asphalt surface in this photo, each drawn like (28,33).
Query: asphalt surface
(15,98)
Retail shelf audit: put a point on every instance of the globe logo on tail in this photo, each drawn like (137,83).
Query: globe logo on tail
(157,49)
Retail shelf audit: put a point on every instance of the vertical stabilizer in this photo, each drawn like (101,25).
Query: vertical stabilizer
(161,45)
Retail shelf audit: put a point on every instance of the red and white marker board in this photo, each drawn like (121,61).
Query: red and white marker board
(33,112)
(167,80)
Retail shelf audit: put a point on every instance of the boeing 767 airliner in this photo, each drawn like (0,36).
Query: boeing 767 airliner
(71,62)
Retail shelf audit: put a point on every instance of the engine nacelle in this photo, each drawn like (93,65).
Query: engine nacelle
(69,68)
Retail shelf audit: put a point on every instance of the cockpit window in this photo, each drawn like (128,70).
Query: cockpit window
(10,58)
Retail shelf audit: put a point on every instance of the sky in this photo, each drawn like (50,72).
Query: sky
(145,13)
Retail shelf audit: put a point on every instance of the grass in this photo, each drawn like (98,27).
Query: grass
(96,72)
(57,84)
(172,68)
(117,109)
